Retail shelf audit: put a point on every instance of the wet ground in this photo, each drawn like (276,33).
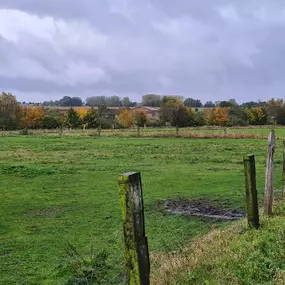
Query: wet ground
(202,209)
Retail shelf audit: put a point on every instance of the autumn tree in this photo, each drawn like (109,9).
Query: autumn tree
(126,118)
(173,111)
(256,116)
(275,110)
(82,112)
(10,112)
(221,116)
(218,116)
(32,118)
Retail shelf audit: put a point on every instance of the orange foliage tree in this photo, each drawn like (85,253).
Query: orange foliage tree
(218,116)
(32,118)
(221,116)
(126,118)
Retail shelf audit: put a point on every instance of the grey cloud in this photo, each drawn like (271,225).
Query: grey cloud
(212,49)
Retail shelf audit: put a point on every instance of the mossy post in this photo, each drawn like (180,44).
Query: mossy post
(269,176)
(250,191)
(283,170)
(136,247)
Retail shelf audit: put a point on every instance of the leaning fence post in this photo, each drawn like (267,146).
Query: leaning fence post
(269,177)
(283,170)
(136,247)
(250,191)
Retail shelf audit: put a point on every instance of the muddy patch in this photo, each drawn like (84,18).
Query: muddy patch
(219,169)
(202,209)
(44,212)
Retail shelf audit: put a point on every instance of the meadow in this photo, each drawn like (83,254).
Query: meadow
(60,192)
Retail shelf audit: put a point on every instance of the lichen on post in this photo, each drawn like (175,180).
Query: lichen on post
(136,247)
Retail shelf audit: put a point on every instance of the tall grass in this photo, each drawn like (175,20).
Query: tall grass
(228,256)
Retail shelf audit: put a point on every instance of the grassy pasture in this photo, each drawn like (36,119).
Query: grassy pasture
(60,190)
(195,132)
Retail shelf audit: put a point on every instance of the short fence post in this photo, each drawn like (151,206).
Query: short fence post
(269,177)
(99,131)
(177,131)
(250,191)
(136,246)
(283,170)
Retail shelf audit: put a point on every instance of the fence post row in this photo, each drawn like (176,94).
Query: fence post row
(136,246)
(250,191)
(269,177)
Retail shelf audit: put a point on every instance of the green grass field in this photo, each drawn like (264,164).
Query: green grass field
(261,131)
(57,191)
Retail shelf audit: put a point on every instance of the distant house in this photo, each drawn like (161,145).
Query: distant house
(152,113)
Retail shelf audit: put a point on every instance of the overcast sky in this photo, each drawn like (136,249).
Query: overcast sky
(207,49)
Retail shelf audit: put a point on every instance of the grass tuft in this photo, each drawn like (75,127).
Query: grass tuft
(233,255)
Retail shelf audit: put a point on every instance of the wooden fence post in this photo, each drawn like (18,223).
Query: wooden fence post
(99,131)
(283,170)
(269,177)
(250,191)
(177,131)
(136,246)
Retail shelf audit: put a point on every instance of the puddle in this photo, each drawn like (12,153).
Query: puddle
(201,209)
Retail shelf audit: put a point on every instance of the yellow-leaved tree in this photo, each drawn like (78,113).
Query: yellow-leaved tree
(32,117)
(126,118)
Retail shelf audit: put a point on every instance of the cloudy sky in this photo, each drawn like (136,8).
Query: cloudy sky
(207,49)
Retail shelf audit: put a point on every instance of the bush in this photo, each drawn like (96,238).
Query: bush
(50,122)
(105,123)
(25,132)
(155,123)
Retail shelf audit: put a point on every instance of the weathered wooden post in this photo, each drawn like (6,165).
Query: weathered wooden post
(99,131)
(136,246)
(177,131)
(250,191)
(283,170)
(269,176)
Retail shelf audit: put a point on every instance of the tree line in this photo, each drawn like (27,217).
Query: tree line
(151,100)
(173,110)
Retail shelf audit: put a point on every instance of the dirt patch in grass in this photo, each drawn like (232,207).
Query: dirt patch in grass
(216,169)
(44,212)
(202,209)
